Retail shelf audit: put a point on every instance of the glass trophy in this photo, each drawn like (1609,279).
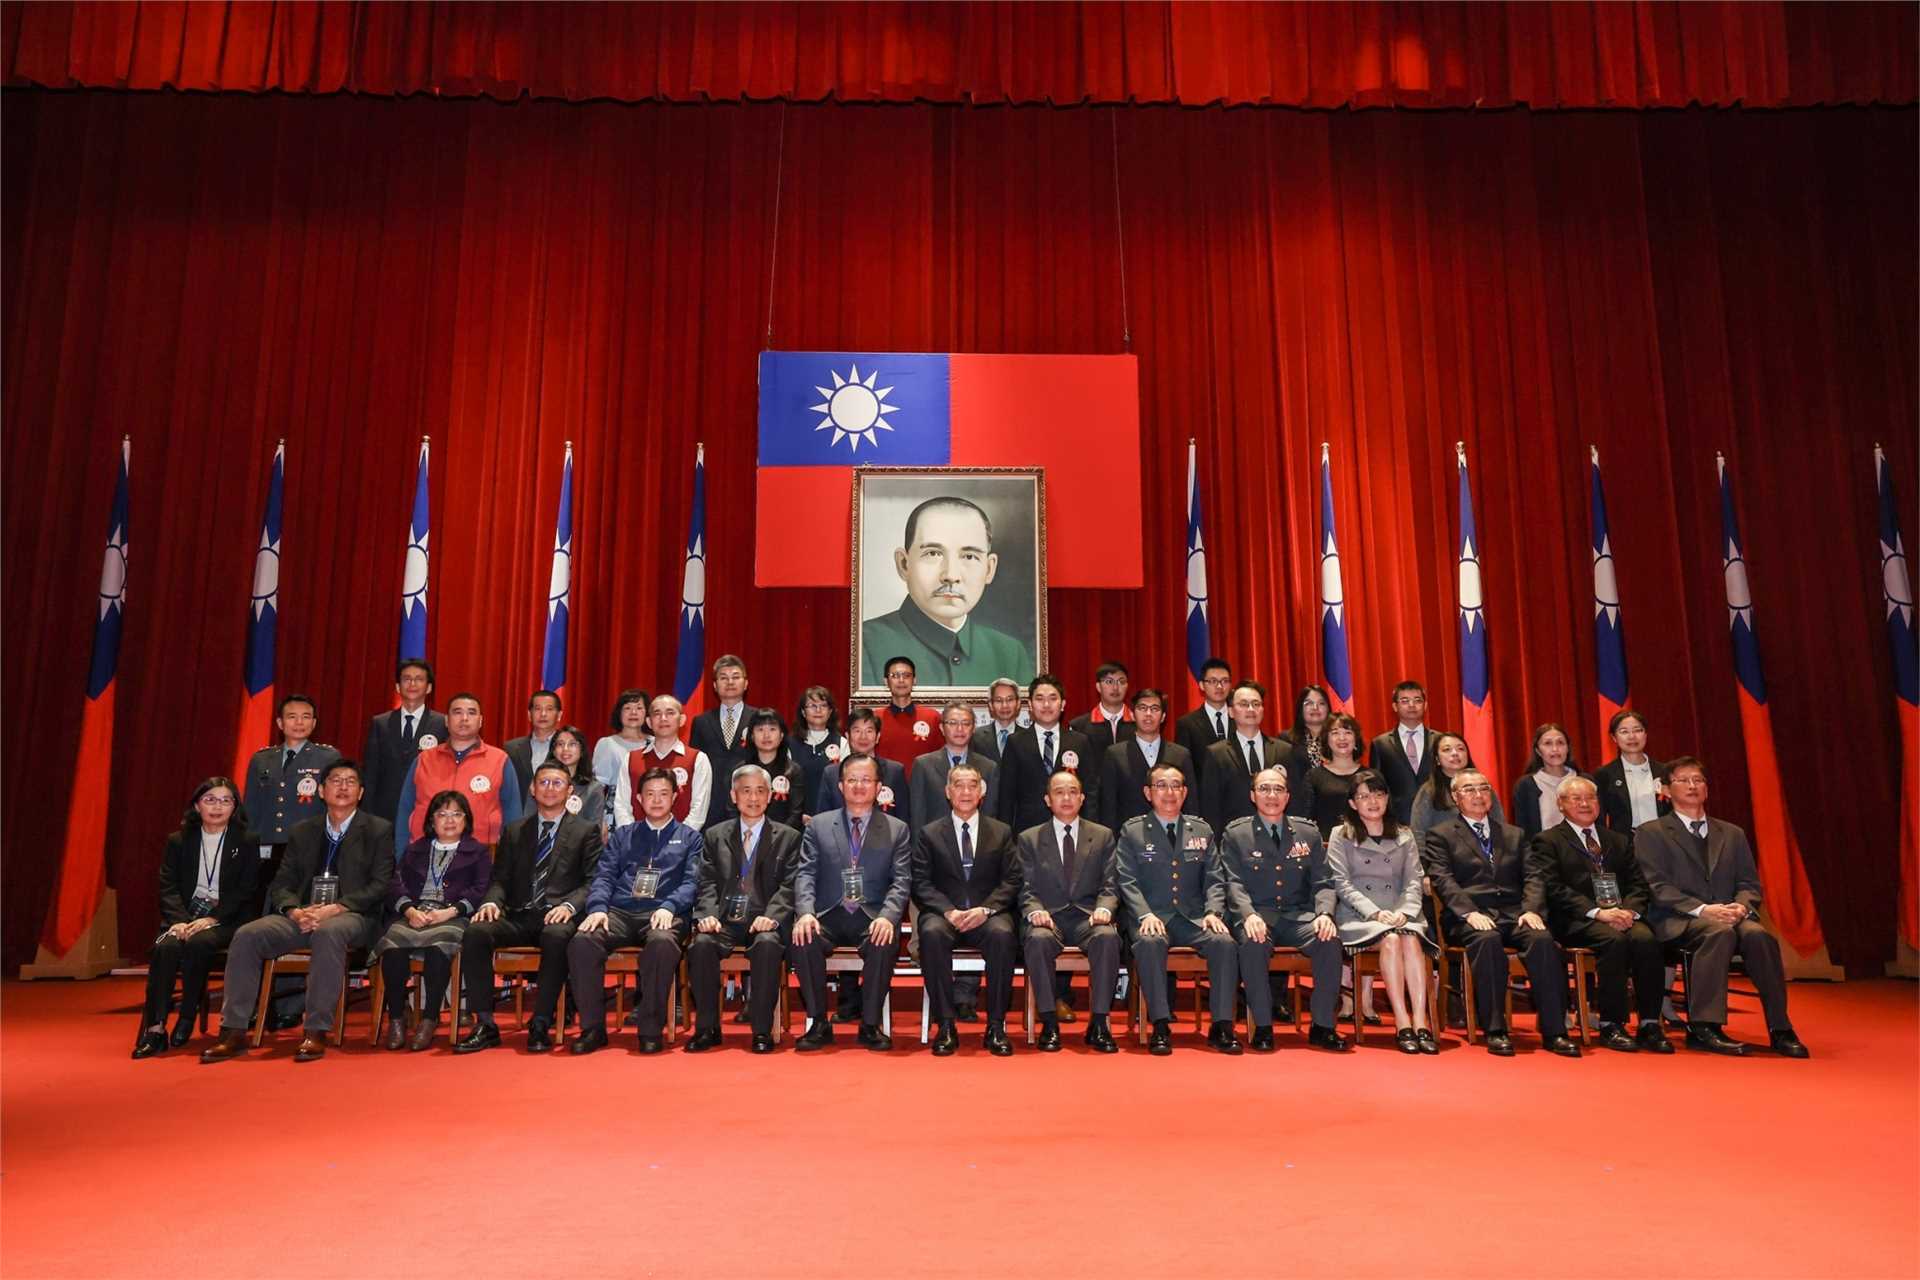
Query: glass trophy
(852,887)
(646,883)
(1606,889)
(326,890)
(736,908)
(202,905)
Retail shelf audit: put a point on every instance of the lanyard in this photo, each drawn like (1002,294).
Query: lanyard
(333,850)
(434,889)
(208,885)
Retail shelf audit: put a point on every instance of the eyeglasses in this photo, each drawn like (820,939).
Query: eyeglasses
(211,798)
(1270,789)
(1166,786)
(1475,789)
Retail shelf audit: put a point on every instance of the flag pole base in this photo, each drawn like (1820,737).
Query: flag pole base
(96,953)
(1905,962)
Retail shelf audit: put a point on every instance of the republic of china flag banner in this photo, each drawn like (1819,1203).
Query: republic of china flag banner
(1199,631)
(553,657)
(1335,667)
(690,667)
(1609,634)
(1897,588)
(256,707)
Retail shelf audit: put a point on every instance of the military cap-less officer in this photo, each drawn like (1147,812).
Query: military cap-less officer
(283,782)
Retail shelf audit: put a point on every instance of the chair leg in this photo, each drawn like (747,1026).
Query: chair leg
(377,985)
(1443,993)
(1031,1033)
(263,1006)
(1582,1010)
(340,1013)
(1466,997)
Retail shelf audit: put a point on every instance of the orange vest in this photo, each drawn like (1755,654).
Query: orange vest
(478,777)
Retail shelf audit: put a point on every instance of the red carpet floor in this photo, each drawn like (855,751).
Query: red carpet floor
(1298,1164)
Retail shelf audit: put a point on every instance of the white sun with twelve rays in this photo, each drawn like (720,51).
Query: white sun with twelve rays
(854,410)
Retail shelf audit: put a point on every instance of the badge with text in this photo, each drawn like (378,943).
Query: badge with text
(326,891)
(921,729)
(885,797)
(575,804)
(646,882)
(852,886)
(833,753)
(736,907)
(1606,889)
(427,741)
(1069,759)
(781,786)
(308,788)
(679,777)
(480,784)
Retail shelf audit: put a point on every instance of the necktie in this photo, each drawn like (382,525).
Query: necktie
(1253,760)
(1481,834)
(728,715)
(954,762)
(1273,833)
(1003,741)
(1219,726)
(1413,749)
(287,758)
(1173,836)
(406,728)
(1046,751)
(858,826)
(966,849)
(541,853)
(1067,858)
(1593,850)
(1699,829)
(750,842)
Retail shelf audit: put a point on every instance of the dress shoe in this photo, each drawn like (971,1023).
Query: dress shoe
(819,1036)
(1651,1038)
(875,1039)
(539,1036)
(704,1040)
(650,1045)
(762,1044)
(396,1034)
(1372,1020)
(1100,1037)
(946,1040)
(1049,1041)
(996,1040)
(1787,1045)
(966,1012)
(1406,1041)
(1499,1044)
(231,1044)
(1223,1038)
(285,1021)
(1428,1045)
(1063,1011)
(484,1035)
(1614,1036)
(1282,1011)
(423,1034)
(151,1043)
(589,1040)
(1708,1037)
(1262,1040)
(1562,1046)
(182,1031)
(1326,1038)
(312,1049)
(1160,1043)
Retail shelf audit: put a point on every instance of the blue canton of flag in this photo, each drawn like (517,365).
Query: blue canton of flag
(1336,668)
(553,662)
(413,583)
(1199,632)
(854,400)
(266,584)
(690,667)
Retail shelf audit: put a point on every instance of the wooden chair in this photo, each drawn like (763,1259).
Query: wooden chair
(1283,960)
(1366,967)
(1066,963)
(294,962)
(965,960)
(415,965)
(839,960)
(1182,962)
(738,966)
(624,963)
(519,966)
(1450,954)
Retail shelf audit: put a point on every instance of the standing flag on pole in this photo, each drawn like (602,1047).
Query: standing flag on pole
(1609,636)
(413,583)
(263,617)
(83,860)
(1476,688)
(553,661)
(1335,668)
(1782,873)
(1199,634)
(1898,589)
(689,672)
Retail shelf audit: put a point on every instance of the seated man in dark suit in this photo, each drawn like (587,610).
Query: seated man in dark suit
(1572,860)
(850,889)
(536,894)
(927,784)
(641,895)
(1275,888)
(1165,870)
(1125,765)
(964,882)
(1035,753)
(1067,899)
(744,901)
(327,897)
(1226,776)
(1490,899)
(1705,890)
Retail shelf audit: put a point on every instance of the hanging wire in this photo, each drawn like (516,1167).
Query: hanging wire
(773,252)
(1120,231)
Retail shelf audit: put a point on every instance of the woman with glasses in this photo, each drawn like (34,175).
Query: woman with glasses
(1312,708)
(816,741)
(439,884)
(589,798)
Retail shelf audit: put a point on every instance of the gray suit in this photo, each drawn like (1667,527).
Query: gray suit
(927,786)
(885,862)
(1685,874)
(278,790)
(986,740)
(1286,883)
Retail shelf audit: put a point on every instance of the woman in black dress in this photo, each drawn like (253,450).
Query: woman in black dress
(1331,781)
(767,739)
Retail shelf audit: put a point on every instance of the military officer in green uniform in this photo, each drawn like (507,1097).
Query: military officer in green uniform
(947,561)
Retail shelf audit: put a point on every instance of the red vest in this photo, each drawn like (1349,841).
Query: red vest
(678,763)
(478,777)
(898,740)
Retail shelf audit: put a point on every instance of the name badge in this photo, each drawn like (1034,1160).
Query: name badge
(1606,889)
(646,883)
(431,902)
(480,784)
(736,908)
(574,804)
(202,905)
(326,891)
(853,886)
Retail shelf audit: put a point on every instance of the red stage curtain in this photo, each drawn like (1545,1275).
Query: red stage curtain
(211,273)
(1352,53)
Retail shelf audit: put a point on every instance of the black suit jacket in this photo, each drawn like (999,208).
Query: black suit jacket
(1226,788)
(575,857)
(725,757)
(1043,887)
(938,883)
(1100,732)
(1388,754)
(239,877)
(1465,881)
(364,864)
(769,889)
(986,740)
(1194,731)
(1560,860)
(1023,776)
(1123,780)
(1616,803)
(385,762)
(520,752)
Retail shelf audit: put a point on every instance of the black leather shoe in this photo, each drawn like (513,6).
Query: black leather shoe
(1223,1038)
(588,1041)
(704,1040)
(539,1036)
(1614,1036)
(966,1012)
(762,1044)
(1099,1037)
(1428,1045)
(151,1043)
(484,1035)
(819,1036)
(1371,1019)
(1499,1044)
(996,1040)
(182,1032)
(946,1040)
(1787,1045)
(1327,1038)
(1282,1011)
(423,1035)
(875,1039)
(285,1021)
(396,1034)
(650,1044)
(1049,1041)
(1562,1046)
(1160,1043)
(1063,1011)
(1406,1041)
(1652,1038)
(1708,1037)
(1261,1040)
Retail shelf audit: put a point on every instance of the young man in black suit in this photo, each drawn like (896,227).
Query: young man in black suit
(529,750)
(395,737)
(1035,753)
(1210,722)
(1126,764)
(722,732)
(1226,777)
(1109,720)
(1405,755)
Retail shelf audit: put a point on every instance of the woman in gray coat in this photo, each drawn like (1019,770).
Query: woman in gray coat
(1375,866)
